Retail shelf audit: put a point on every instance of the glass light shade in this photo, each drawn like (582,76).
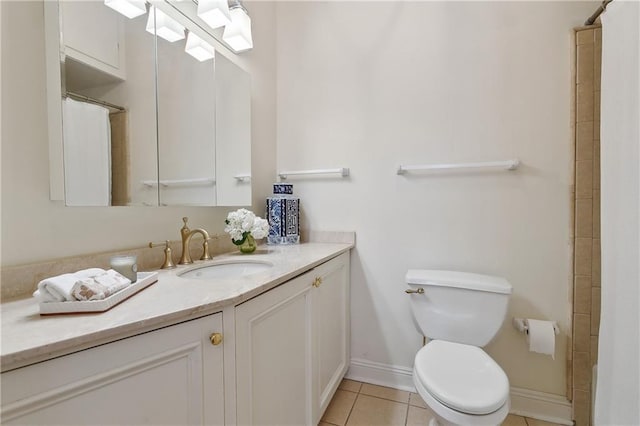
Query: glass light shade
(128,8)
(198,48)
(214,12)
(165,26)
(238,34)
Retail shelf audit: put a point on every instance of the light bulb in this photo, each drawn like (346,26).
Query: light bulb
(198,48)
(214,12)
(128,8)
(238,34)
(164,26)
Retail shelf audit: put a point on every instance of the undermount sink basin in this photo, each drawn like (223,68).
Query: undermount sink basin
(226,269)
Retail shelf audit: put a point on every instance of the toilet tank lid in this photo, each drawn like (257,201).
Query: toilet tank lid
(459,280)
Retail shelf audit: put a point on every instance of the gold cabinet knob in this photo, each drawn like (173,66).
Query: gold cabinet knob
(316,282)
(216,339)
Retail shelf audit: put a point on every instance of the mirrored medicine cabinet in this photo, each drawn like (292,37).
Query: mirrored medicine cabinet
(136,121)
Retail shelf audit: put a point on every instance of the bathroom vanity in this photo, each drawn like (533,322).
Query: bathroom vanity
(266,348)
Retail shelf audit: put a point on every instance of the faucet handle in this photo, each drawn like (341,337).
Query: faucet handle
(185,228)
(205,248)
(168,261)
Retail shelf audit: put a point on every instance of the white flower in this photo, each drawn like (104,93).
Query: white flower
(243,222)
(247,222)
(260,228)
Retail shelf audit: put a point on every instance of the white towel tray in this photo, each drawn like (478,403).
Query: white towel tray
(145,279)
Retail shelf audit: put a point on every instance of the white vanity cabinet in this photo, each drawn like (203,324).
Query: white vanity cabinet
(331,317)
(284,353)
(292,347)
(94,35)
(172,375)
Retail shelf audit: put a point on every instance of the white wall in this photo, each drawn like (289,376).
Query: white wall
(371,85)
(34,228)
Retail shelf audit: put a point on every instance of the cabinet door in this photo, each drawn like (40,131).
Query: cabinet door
(273,356)
(94,35)
(151,379)
(212,370)
(331,330)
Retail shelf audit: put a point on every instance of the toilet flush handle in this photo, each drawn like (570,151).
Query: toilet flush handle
(417,291)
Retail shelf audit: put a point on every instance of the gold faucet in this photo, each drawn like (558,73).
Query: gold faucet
(186,234)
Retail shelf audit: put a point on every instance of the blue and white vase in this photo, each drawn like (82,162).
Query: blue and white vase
(283,214)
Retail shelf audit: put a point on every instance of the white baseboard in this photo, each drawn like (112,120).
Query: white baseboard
(541,405)
(377,373)
(524,402)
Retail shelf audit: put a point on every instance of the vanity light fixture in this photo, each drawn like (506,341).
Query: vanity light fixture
(214,12)
(198,48)
(128,8)
(165,26)
(238,33)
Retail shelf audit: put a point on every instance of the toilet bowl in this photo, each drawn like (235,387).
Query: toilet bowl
(460,312)
(461,384)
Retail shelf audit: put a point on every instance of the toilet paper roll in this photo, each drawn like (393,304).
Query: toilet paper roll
(541,337)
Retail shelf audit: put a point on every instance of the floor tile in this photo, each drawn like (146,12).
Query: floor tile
(513,420)
(350,385)
(416,400)
(339,408)
(418,416)
(371,411)
(536,422)
(385,393)
(383,406)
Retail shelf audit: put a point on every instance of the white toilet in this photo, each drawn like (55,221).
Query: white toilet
(460,313)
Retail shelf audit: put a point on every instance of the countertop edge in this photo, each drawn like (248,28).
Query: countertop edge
(13,360)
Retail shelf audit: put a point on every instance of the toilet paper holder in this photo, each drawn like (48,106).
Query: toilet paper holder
(522,325)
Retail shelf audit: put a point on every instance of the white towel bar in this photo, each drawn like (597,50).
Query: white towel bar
(507,165)
(344,172)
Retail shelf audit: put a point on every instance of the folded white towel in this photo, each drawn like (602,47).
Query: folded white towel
(58,288)
(100,286)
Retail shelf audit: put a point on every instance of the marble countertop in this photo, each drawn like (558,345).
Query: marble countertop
(28,337)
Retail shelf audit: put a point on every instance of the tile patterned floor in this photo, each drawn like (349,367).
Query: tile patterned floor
(363,404)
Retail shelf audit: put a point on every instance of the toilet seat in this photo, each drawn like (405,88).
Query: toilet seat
(461,377)
(445,416)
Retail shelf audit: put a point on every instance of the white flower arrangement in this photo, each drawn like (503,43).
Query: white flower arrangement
(242,223)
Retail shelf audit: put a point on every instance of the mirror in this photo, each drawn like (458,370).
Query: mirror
(233,159)
(144,122)
(186,127)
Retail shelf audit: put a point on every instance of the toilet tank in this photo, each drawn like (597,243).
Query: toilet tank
(458,306)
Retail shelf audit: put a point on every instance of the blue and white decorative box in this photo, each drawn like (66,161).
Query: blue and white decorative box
(283,214)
